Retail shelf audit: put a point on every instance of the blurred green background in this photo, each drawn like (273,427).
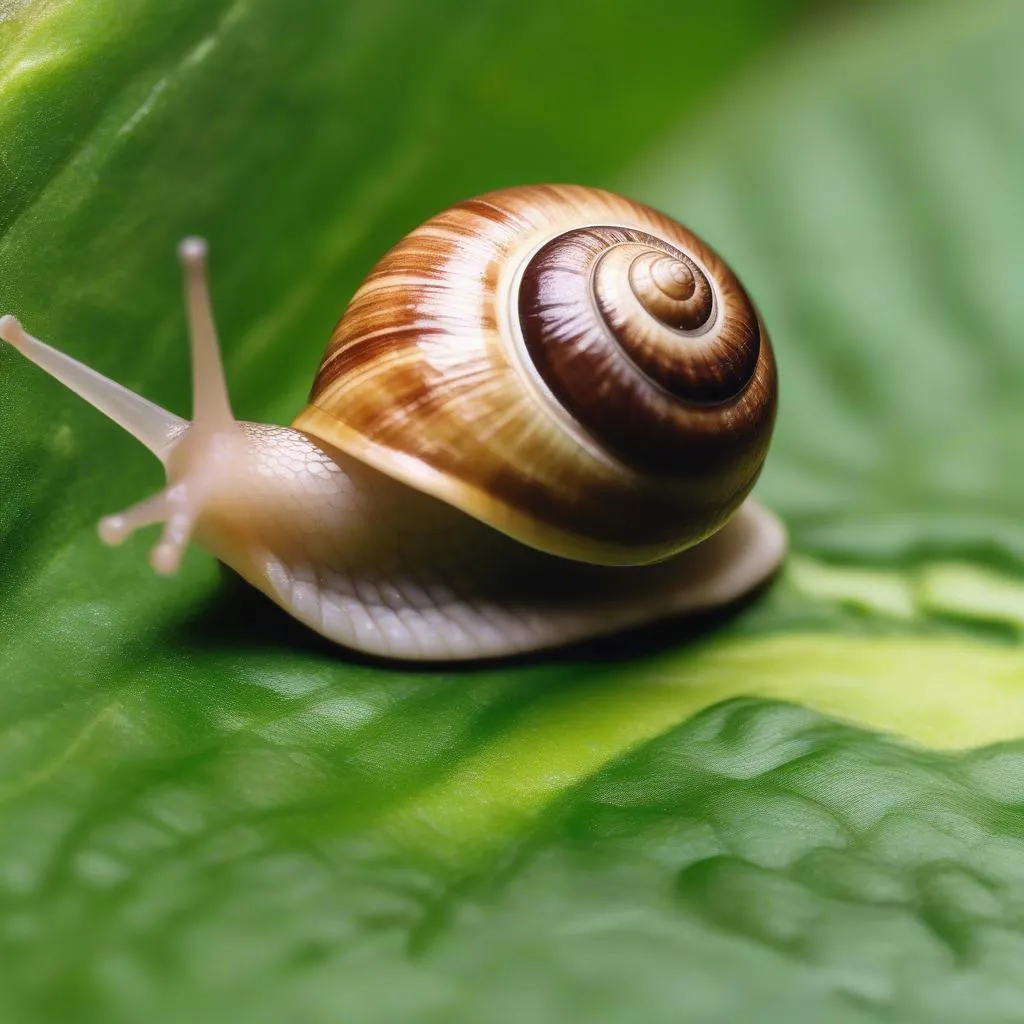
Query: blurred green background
(807,810)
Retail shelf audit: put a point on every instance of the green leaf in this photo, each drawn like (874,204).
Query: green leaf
(208,815)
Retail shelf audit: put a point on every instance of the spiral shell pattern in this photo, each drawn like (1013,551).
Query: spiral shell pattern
(574,368)
(626,331)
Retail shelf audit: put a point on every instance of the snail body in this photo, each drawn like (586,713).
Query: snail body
(537,421)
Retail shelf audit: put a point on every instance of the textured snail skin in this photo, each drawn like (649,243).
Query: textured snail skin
(370,564)
(569,366)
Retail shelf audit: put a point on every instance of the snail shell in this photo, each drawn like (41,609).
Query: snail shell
(573,368)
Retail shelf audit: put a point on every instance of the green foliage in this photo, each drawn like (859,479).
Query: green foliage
(208,815)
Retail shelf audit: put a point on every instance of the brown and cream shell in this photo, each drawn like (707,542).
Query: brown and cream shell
(573,368)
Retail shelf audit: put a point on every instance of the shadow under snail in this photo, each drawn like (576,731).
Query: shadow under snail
(537,421)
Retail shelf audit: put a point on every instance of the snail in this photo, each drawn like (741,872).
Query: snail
(538,421)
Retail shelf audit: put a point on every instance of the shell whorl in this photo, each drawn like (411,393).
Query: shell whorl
(627,331)
(576,369)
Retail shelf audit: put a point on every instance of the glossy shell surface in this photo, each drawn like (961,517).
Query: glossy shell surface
(571,367)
